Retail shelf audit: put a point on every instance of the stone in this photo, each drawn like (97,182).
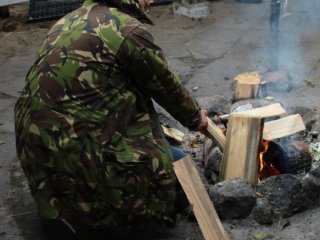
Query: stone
(211,176)
(299,157)
(213,160)
(233,198)
(311,186)
(263,212)
(315,172)
(285,193)
(214,104)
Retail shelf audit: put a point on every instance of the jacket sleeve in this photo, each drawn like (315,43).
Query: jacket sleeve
(145,63)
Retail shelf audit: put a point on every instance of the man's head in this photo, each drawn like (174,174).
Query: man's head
(135,8)
(144,4)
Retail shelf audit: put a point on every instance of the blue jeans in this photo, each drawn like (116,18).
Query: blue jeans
(177,153)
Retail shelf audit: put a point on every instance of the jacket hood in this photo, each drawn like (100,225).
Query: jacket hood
(130,7)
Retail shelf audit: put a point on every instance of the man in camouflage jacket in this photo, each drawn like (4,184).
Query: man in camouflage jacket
(87,134)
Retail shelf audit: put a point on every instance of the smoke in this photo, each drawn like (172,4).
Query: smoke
(298,53)
(285,10)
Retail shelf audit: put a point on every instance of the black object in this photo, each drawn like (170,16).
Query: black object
(287,158)
(160,2)
(249,1)
(51,9)
(4,12)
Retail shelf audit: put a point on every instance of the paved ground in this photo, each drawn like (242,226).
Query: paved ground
(207,53)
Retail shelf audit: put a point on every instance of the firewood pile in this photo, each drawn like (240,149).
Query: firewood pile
(262,162)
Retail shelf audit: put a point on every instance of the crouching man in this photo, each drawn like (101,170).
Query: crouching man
(87,134)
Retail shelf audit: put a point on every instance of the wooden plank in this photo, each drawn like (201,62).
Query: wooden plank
(246,85)
(271,110)
(283,127)
(207,217)
(216,135)
(173,133)
(240,158)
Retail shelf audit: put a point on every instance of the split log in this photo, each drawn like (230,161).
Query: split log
(216,135)
(255,103)
(240,159)
(247,104)
(246,86)
(283,127)
(268,111)
(207,217)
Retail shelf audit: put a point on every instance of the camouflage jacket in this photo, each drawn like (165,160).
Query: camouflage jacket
(87,134)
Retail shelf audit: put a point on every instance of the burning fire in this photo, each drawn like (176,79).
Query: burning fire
(266,169)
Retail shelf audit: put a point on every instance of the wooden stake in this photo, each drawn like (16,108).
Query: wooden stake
(216,135)
(246,85)
(206,215)
(283,127)
(240,158)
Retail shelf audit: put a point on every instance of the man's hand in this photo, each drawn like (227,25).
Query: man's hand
(204,120)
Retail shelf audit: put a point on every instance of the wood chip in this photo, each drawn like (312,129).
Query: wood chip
(173,133)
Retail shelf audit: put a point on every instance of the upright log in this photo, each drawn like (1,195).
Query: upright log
(240,158)
(206,215)
(246,85)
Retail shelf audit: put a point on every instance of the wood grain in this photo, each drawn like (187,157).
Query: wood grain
(240,158)
(209,222)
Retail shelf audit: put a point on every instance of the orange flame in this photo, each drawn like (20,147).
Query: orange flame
(265,149)
(266,170)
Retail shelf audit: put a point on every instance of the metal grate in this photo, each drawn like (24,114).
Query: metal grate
(51,9)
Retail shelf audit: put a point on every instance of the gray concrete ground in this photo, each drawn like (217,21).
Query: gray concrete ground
(207,53)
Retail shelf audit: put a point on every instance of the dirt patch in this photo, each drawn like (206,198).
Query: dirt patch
(18,20)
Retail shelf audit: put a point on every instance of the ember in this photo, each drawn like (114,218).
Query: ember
(274,160)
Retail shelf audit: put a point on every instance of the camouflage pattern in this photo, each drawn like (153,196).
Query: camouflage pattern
(87,135)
